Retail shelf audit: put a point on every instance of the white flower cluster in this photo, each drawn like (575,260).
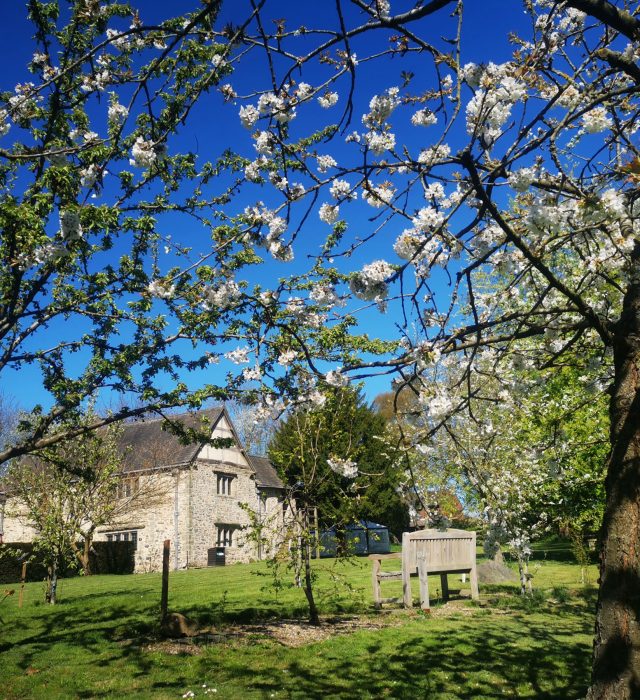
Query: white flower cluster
(329,99)
(265,143)
(408,244)
(161,289)
(117,113)
(434,155)
(252,171)
(424,117)
(252,374)
(380,141)
(344,467)
(491,105)
(5,125)
(520,180)
(222,297)
(379,196)
(370,284)
(276,106)
(326,162)
(143,153)
(249,115)
(427,220)
(336,378)
(286,357)
(239,356)
(96,81)
(329,213)
(381,108)
(324,295)
(89,175)
(438,405)
(341,189)
(596,121)
(23,104)
(70,225)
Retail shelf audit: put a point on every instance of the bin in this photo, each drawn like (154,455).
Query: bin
(216,556)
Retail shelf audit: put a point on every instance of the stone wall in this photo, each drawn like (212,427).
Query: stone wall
(16,524)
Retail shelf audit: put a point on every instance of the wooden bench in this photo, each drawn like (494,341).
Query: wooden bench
(377,576)
(423,553)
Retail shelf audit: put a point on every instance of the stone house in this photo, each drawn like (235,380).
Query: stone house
(198,488)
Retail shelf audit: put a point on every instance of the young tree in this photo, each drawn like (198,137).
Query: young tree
(335,462)
(68,491)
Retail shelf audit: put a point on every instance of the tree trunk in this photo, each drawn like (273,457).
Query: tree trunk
(314,619)
(616,655)
(52,584)
(86,550)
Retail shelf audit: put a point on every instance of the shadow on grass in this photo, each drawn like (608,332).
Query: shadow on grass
(487,655)
(465,662)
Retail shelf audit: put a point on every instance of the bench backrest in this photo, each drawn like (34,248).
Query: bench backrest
(455,548)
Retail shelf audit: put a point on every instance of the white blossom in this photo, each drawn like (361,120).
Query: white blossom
(326,162)
(329,99)
(371,282)
(161,289)
(596,121)
(424,117)
(70,225)
(344,467)
(249,115)
(379,196)
(286,357)
(4,124)
(89,175)
(224,296)
(143,153)
(117,113)
(380,141)
(329,213)
(341,189)
(336,378)
(521,179)
(264,143)
(238,356)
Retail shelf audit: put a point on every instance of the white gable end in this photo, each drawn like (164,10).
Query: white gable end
(230,455)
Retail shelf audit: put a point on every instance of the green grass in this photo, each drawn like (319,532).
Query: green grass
(101,640)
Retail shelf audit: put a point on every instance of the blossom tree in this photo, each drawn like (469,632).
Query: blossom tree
(527,167)
(388,166)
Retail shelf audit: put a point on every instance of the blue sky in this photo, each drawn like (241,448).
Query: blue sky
(214,126)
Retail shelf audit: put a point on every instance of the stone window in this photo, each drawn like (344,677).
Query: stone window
(224,484)
(128,486)
(225,535)
(126,536)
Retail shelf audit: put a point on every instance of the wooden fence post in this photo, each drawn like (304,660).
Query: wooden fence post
(23,578)
(164,597)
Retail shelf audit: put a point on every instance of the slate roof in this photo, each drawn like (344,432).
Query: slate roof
(266,475)
(149,443)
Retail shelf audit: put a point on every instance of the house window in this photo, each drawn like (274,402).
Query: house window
(128,486)
(126,536)
(225,535)
(224,484)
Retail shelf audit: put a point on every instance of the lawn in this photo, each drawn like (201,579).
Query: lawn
(102,639)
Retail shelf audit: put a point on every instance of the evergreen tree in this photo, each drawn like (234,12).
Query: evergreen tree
(336,459)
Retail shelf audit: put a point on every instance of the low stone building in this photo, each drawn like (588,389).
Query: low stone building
(197,488)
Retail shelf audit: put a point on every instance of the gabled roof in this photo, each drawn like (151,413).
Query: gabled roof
(150,443)
(266,475)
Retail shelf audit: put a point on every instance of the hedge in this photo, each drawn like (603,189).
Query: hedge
(105,558)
